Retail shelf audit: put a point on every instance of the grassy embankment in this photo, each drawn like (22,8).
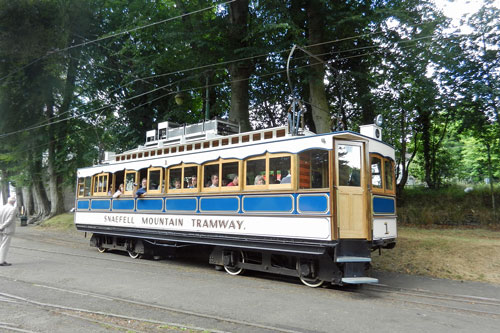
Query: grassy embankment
(459,253)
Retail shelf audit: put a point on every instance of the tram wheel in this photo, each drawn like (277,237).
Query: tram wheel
(310,282)
(313,283)
(236,270)
(134,255)
(101,249)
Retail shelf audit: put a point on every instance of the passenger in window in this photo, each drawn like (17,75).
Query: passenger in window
(287,179)
(215,181)
(176,184)
(194,182)
(225,181)
(118,192)
(259,180)
(234,182)
(141,192)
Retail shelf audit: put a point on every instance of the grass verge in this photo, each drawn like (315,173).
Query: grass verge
(459,254)
(60,222)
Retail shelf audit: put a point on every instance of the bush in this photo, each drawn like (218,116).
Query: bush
(450,206)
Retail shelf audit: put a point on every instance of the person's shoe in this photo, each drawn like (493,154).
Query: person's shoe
(5,263)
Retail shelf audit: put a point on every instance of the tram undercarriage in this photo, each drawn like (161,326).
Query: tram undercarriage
(345,262)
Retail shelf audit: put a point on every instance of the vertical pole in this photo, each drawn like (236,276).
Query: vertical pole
(207,104)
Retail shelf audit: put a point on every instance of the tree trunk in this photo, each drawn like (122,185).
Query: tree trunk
(40,195)
(318,100)
(19,198)
(240,71)
(490,176)
(425,120)
(4,186)
(28,200)
(56,202)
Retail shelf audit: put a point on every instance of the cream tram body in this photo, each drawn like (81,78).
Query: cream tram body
(339,202)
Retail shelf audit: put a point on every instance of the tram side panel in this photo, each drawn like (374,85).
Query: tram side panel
(291,216)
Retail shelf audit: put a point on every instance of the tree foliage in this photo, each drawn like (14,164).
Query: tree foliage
(81,77)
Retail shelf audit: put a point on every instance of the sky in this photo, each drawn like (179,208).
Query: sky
(455,9)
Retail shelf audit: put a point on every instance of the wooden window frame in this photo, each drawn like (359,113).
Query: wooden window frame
(378,190)
(386,190)
(95,193)
(220,188)
(267,186)
(230,188)
(81,184)
(182,189)
(312,189)
(125,192)
(159,190)
(210,189)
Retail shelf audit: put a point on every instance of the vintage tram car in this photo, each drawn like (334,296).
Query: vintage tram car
(288,202)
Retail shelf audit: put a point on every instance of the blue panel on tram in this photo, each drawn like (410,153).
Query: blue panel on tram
(270,204)
(150,204)
(383,205)
(123,204)
(230,204)
(184,204)
(313,203)
(83,204)
(100,204)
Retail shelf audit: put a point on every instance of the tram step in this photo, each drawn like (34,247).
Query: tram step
(353,259)
(359,280)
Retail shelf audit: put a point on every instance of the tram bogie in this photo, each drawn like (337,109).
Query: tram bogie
(309,206)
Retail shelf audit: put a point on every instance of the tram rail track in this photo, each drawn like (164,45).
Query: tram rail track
(120,320)
(482,306)
(455,302)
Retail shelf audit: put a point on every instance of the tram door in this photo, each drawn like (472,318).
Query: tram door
(351,189)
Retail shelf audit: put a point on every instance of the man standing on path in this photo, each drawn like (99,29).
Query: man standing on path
(7,228)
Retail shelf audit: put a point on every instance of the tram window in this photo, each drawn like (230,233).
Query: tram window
(175,177)
(280,170)
(349,165)
(130,181)
(376,168)
(84,186)
(101,184)
(313,169)
(389,175)
(88,182)
(229,172)
(155,180)
(81,189)
(256,172)
(190,177)
(211,176)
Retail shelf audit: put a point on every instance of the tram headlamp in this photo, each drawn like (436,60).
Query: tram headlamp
(379,120)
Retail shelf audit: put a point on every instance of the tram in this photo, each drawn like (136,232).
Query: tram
(280,200)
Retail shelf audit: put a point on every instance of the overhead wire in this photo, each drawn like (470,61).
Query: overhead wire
(201,67)
(115,35)
(193,89)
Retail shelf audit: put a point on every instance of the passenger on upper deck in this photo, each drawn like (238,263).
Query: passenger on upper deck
(259,180)
(287,179)
(234,182)
(141,192)
(176,184)
(194,182)
(215,181)
(118,192)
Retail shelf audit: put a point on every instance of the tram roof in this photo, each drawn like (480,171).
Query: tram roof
(239,146)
